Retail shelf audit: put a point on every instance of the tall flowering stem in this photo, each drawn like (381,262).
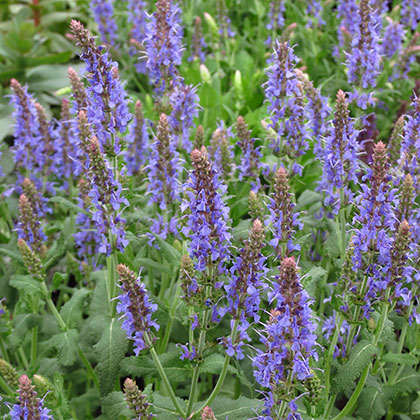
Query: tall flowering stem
(198,43)
(283,219)
(136,401)
(103,12)
(364,57)
(244,290)
(251,156)
(289,343)
(284,94)
(163,43)
(107,104)
(138,140)
(341,165)
(221,152)
(276,19)
(137,311)
(137,16)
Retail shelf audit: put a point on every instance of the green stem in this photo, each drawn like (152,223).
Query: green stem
(6,387)
(89,368)
(23,357)
(165,340)
(353,399)
(3,350)
(34,346)
(223,373)
(111,264)
(163,376)
(329,360)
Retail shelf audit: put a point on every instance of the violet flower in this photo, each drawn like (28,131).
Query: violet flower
(163,168)
(393,38)
(29,406)
(198,43)
(107,107)
(136,309)
(138,142)
(185,106)
(289,341)
(163,43)
(276,19)
(341,164)
(284,95)
(410,13)
(103,12)
(364,58)
(137,16)
(207,216)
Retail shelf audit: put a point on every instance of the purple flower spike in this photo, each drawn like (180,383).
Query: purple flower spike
(136,309)
(103,12)
(164,44)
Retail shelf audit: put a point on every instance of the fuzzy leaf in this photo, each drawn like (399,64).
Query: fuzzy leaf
(372,403)
(110,350)
(213,364)
(66,345)
(401,359)
(99,303)
(408,381)
(26,284)
(72,310)
(242,408)
(360,357)
(12,254)
(311,279)
(67,204)
(176,369)
(22,324)
(114,406)
(56,252)
(308,197)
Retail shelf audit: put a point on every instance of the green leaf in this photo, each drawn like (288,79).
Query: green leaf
(67,347)
(360,357)
(72,311)
(26,284)
(67,204)
(176,369)
(99,303)
(149,263)
(110,350)
(408,381)
(213,364)
(114,406)
(242,408)
(372,403)
(12,254)
(170,254)
(22,324)
(308,197)
(56,252)
(164,407)
(312,278)
(401,359)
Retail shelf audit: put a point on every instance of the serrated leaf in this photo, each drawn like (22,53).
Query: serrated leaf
(372,403)
(164,407)
(408,381)
(72,311)
(110,350)
(56,252)
(402,359)
(360,357)
(311,279)
(114,406)
(308,197)
(242,408)
(176,369)
(213,364)
(12,254)
(67,204)
(170,254)
(66,344)
(99,303)
(26,284)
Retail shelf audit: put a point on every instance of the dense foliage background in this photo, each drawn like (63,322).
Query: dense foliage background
(272,274)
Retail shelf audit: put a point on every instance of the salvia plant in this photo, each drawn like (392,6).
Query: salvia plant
(217,217)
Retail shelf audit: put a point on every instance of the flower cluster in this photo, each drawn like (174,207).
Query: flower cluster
(136,309)
(184,102)
(105,195)
(289,341)
(364,57)
(244,289)
(137,139)
(393,38)
(282,218)
(107,104)
(341,164)
(284,94)
(163,169)
(276,19)
(163,43)
(103,12)
(198,43)
(207,217)
(410,13)
(137,16)
(221,151)
(136,401)
(251,156)
(29,406)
